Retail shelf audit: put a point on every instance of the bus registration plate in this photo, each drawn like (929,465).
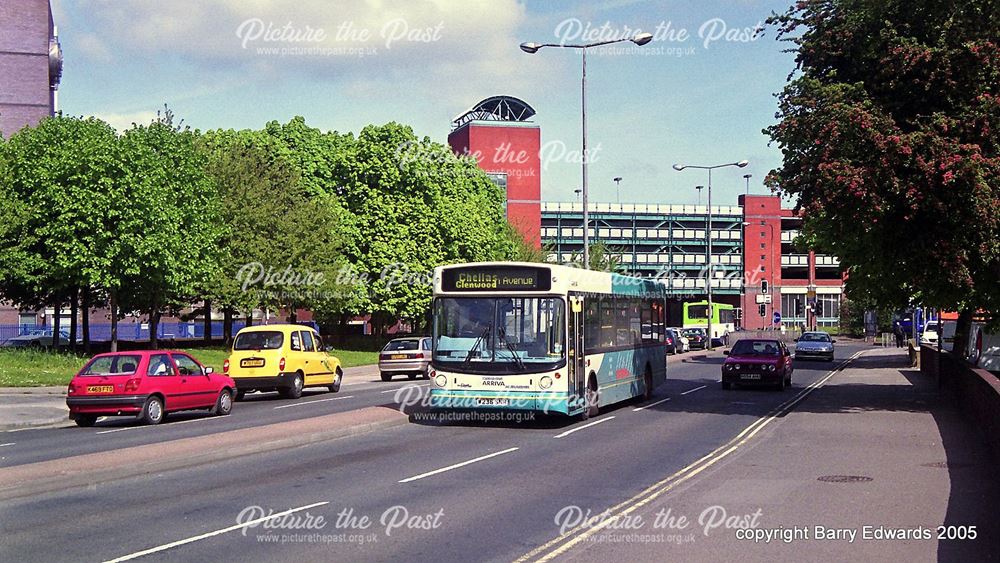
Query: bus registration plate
(493,402)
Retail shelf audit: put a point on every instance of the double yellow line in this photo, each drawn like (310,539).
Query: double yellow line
(571,538)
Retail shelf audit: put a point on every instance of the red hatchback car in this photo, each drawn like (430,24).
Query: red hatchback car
(147,384)
(757,362)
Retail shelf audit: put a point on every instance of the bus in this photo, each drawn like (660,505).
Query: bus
(723,317)
(547,338)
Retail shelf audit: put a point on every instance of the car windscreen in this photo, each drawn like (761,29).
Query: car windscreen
(814,337)
(259,340)
(125,364)
(755,348)
(397,345)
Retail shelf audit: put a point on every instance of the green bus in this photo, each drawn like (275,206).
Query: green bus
(723,317)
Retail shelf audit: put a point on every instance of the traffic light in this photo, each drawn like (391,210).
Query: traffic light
(763,310)
(763,286)
(798,308)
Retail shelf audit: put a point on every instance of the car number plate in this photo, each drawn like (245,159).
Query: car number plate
(750,376)
(101,389)
(397,357)
(252,363)
(493,402)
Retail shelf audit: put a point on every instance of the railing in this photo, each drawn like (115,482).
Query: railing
(101,332)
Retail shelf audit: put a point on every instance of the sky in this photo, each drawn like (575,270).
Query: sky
(700,93)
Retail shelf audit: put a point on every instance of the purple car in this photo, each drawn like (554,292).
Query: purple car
(754,361)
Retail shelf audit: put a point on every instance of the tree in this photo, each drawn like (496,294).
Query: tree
(173,242)
(289,229)
(59,200)
(890,138)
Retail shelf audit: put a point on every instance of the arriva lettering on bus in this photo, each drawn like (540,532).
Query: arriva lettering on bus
(476,281)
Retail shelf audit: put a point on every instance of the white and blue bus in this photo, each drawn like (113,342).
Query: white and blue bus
(538,337)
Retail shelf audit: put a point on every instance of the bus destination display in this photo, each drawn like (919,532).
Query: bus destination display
(496,279)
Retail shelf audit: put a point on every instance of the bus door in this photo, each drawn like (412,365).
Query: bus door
(576,356)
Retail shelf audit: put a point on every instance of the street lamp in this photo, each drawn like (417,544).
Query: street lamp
(532,48)
(708,286)
(699,188)
(618,187)
(747,178)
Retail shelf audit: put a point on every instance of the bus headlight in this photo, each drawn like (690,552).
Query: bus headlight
(441,381)
(545,382)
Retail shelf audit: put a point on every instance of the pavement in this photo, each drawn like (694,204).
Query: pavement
(875,452)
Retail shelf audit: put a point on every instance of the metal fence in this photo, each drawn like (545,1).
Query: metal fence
(101,332)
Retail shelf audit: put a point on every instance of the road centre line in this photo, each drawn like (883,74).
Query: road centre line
(650,405)
(7,444)
(124,428)
(572,430)
(582,532)
(193,539)
(311,402)
(693,390)
(402,387)
(457,465)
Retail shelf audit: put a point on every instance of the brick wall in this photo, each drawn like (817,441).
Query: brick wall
(25,97)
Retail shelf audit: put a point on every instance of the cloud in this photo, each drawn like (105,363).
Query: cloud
(449,50)
(123,121)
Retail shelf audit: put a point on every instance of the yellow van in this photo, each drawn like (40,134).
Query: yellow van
(282,357)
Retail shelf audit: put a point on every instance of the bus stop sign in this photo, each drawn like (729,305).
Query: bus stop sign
(777,317)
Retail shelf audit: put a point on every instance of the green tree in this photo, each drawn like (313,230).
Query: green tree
(59,205)
(174,240)
(890,140)
(271,225)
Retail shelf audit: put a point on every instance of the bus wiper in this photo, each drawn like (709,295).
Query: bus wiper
(482,337)
(502,335)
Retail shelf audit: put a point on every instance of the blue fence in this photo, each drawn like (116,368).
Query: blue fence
(101,332)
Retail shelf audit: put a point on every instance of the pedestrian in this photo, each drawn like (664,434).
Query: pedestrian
(899,336)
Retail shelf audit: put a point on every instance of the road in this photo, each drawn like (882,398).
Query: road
(417,491)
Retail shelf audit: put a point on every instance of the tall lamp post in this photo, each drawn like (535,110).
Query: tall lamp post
(618,187)
(532,48)
(747,178)
(699,188)
(708,285)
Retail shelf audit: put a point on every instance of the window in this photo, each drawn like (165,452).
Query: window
(308,344)
(107,365)
(259,340)
(296,342)
(762,246)
(187,366)
(160,365)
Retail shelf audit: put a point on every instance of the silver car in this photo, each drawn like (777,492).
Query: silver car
(816,345)
(410,356)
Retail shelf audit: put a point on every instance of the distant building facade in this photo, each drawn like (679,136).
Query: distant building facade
(30,64)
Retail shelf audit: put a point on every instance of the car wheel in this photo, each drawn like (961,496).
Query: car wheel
(385,376)
(338,379)
(294,391)
(240,394)
(647,382)
(152,411)
(727,385)
(85,420)
(223,404)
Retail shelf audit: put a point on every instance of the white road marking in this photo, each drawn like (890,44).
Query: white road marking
(7,444)
(311,402)
(193,539)
(124,428)
(457,465)
(650,405)
(403,387)
(568,432)
(693,390)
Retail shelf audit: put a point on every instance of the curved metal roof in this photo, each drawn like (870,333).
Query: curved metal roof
(496,108)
